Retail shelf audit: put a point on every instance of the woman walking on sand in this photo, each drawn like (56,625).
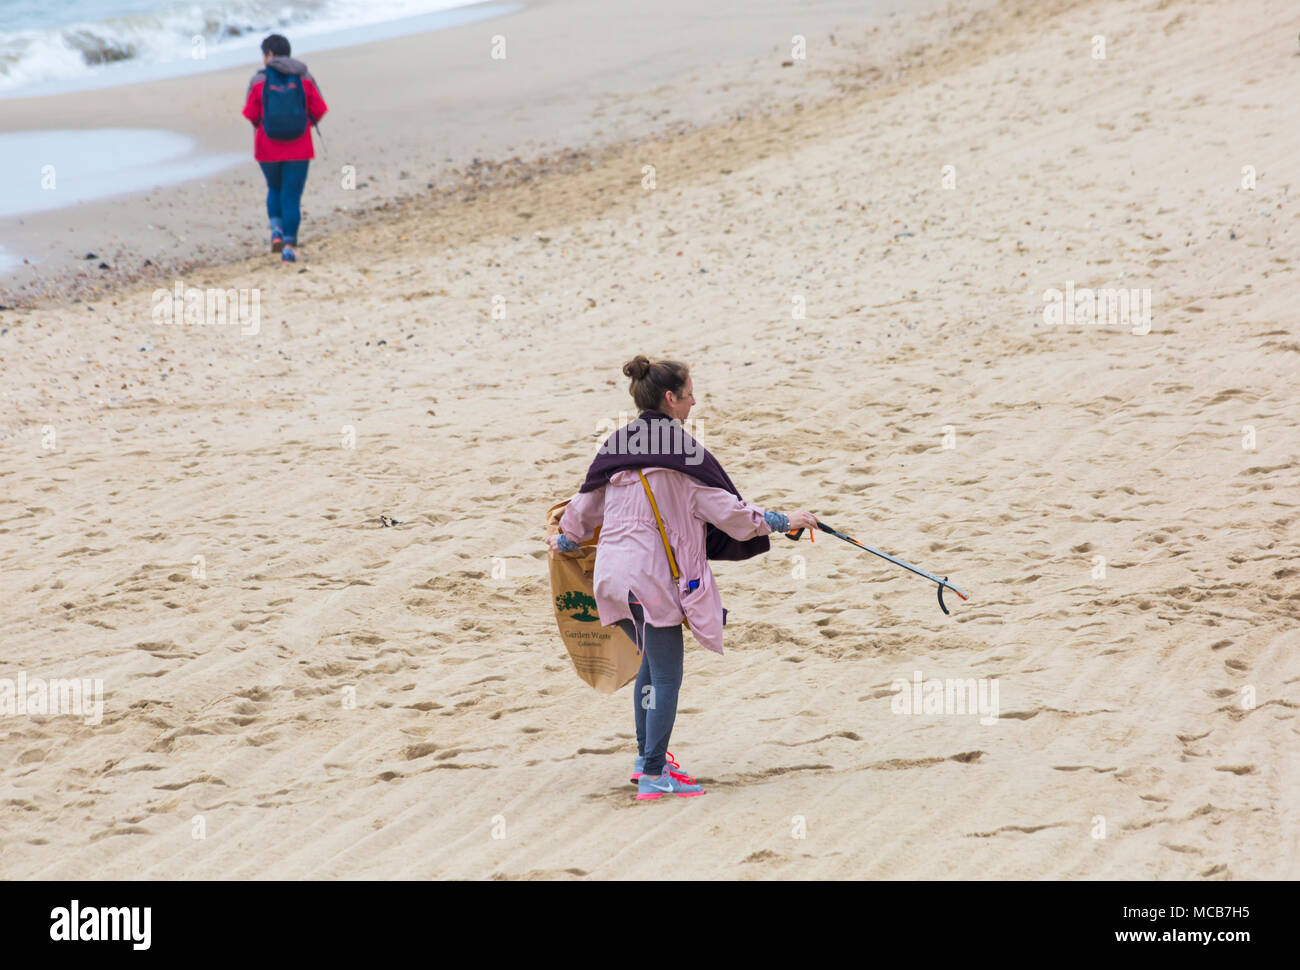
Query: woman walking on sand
(649,471)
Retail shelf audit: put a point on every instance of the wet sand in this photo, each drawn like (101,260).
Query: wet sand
(411,116)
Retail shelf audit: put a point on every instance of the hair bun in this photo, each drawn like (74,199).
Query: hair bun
(637,368)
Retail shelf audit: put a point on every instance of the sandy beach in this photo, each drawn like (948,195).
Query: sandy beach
(852,253)
(420,118)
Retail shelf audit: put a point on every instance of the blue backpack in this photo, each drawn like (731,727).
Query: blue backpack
(284,106)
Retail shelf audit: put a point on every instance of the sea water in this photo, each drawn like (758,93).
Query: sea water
(51,169)
(51,46)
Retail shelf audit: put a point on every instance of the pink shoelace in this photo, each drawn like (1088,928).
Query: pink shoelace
(670,764)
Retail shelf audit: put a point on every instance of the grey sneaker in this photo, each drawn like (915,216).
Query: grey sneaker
(648,789)
(670,765)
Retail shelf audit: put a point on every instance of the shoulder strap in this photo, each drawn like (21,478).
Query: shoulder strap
(663,534)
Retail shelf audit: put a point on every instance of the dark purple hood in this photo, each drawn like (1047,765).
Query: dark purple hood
(654,440)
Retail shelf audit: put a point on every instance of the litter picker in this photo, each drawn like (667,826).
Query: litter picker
(942,583)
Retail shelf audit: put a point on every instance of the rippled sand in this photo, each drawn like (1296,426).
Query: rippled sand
(333,697)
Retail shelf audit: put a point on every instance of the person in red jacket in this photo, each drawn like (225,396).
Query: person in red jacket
(284,153)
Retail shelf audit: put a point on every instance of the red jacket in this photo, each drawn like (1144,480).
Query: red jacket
(268,149)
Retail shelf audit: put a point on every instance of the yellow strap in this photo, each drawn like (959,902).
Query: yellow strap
(672,562)
(654,507)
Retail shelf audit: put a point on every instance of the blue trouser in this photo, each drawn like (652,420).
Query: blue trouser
(284,183)
(657,685)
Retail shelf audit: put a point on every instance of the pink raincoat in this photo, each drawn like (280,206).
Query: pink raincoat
(631,558)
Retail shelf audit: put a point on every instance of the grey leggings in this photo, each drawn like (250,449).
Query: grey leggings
(657,685)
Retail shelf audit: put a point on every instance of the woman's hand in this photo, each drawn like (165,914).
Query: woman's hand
(560,545)
(802,520)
